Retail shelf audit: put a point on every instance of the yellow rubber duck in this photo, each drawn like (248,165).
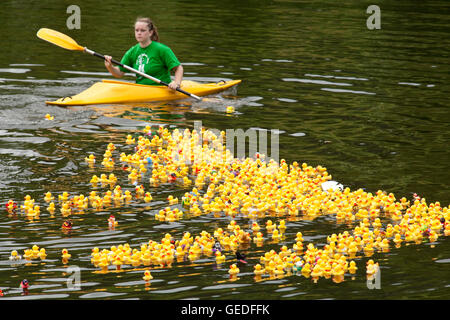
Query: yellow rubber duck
(65,254)
(130,139)
(64,196)
(14,256)
(258,270)
(49,117)
(42,254)
(229,109)
(270,226)
(220,258)
(398,239)
(275,235)
(172,200)
(282,226)
(234,270)
(147,275)
(48,197)
(352,267)
(90,159)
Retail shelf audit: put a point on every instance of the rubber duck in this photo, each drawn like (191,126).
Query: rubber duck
(234,270)
(147,275)
(172,200)
(14,256)
(24,284)
(270,226)
(258,270)
(275,235)
(65,254)
(64,196)
(118,261)
(299,237)
(279,270)
(229,109)
(11,206)
(49,117)
(42,254)
(220,258)
(90,159)
(352,267)
(67,225)
(48,197)
(306,269)
(148,197)
(398,239)
(35,251)
(112,221)
(127,196)
(282,226)
(371,268)
(130,139)
(94,180)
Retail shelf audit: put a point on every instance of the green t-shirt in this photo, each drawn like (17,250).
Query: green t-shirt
(155,60)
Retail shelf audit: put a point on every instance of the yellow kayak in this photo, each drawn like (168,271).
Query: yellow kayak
(111,91)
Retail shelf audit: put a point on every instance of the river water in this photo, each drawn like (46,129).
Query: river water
(369,105)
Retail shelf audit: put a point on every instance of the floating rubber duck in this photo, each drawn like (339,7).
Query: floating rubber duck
(371,268)
(48,197)
(352,267)
(130,139)
(49,117)
(234,270)
(11,206)
(398,239)
(147,275)
(220,258)
(65,254)
(270,226)
(112,221)
(230,109)
(258,270)
(172,200)
(42,254)
(24,284)
(67,225)
(14,256)
(282,226)
(90,159)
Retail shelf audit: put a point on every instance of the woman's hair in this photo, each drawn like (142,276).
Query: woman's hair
(151,26)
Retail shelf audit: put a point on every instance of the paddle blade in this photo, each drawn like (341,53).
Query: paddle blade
(59,39)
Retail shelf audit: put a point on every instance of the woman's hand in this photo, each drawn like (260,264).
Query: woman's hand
(174,85)
(108,63)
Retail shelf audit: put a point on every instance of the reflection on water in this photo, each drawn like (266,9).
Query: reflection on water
(372,107)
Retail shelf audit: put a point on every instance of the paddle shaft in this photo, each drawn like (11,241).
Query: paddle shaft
(140,73)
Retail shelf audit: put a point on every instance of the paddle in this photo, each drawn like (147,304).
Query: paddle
(66,42)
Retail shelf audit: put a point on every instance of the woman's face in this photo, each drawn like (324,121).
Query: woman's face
(141,32)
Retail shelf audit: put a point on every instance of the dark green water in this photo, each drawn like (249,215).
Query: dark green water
(370,105)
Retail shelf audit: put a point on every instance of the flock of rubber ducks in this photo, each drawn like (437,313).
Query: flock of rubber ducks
(252,189)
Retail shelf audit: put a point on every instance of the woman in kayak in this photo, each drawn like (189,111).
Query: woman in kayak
(149,56)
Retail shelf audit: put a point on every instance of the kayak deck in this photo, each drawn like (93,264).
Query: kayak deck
(112,91)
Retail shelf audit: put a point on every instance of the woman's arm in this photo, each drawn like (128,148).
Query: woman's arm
(115,71)
(178,77)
